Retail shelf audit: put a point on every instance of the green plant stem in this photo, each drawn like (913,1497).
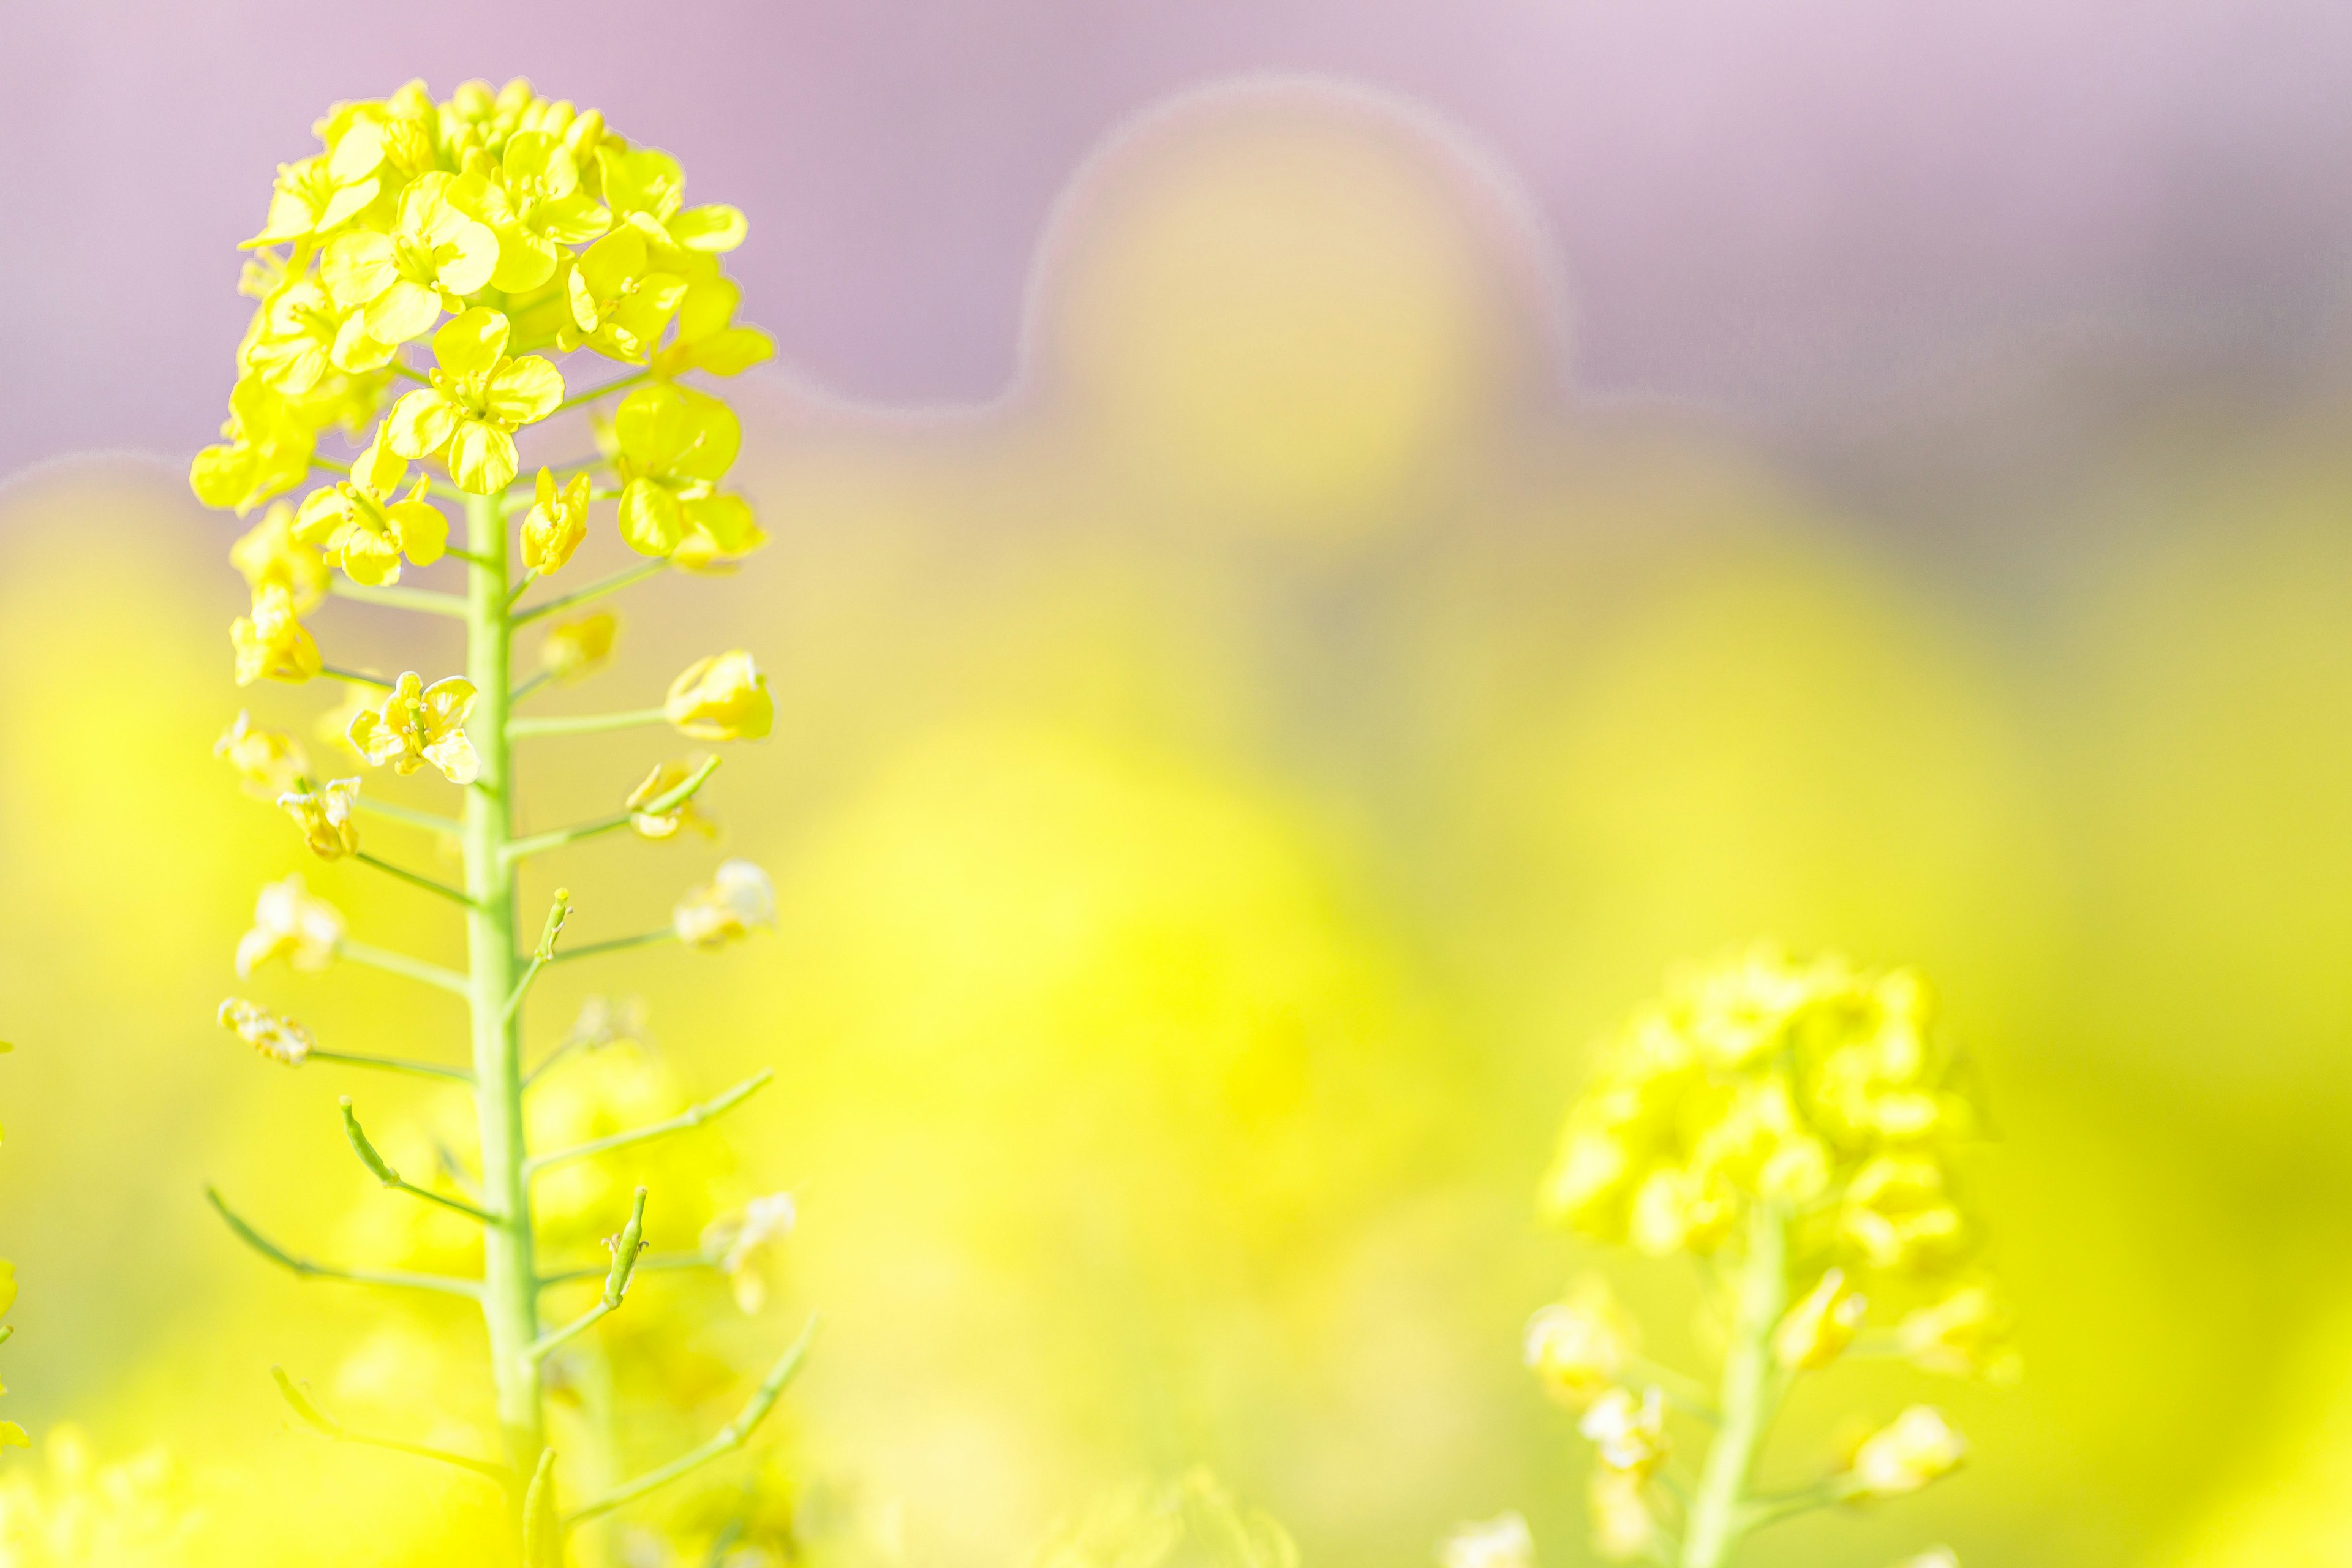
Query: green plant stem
(662,804)
(596,590)
(593,394)
(422,599)
(586,724)
(412,878)
(303,1268)
(657,1262)
(431,821)
(693,1116)
(395,1064)
(510,1293)
(615,944)
(1752,1385)
(355,678)
(399,964)
(328,1426)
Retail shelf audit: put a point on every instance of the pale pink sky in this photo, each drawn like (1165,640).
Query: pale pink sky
(1776,205)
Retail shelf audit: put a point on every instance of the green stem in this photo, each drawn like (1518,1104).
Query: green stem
(596,590)
(511,1276)
(432,821)
(655,1262)
(693,1116)
(414,878)
(395,1064)
(594,393)
(586,724)
(304,1269)
(355,678)
(424,599)
(399,963)
(662,804)
(1752,1385)
(617,945)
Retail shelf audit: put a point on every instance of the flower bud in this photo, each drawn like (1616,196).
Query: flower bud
(736,899)
(279,1039)
(1577,1347)
(325,817)
(721,698)
(267,761)
(1628,1434)
(581,648)
(556,524)
(1917,1448)
(1965,1334)
(1817,1327)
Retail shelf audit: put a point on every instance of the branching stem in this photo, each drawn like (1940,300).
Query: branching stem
(693,1116)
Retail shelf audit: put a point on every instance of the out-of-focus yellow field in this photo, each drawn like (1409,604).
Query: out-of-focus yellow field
(1217,795)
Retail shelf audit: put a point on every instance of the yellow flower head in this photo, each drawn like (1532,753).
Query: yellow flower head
(743,1242)
(402,281)
(722,696)
(418,724)
(1918,1446)
(268,451)
(1577,1346)
(670,446)
(579,649)
(1899,1216)
(708,338)
(478,399)
(318,195)
(271,643)
(737,897)
(1628,1434)
(557,522)
(1623,1527)
(268,762)
(289,923)
(646,190)
(279,1039)
(1501,1543)
(1966,1334)
(300,336)
(665,778)
(619,303)
(270,552)
(1820,1326)
(326,817)
(366,526)
(530,197)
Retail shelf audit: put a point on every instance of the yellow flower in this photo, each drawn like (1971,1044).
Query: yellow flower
(658,783)
(326,817)
(1821,1325)
(279,1039)
(402,281)
(268,762)
(1577,1346)
(268,552)
(319,196)
(267,453)
(418,724)
(557,522)
(1896,1213)
(1676,1210)
(271,643)
(1628,1434)
(477,400)
(1965,1334)
(722,696)
(290,923)
(366,527)
(1918,1446)
(742,1242)
(619,303)
(1623,1529)
(645,190)
(1503,1542)
(670,447)
(708,339)
(581,648)
(737,897)
(530,197)
(300,333)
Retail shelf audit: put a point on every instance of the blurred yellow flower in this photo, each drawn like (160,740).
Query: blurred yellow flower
(267,761)
(74,1512)
(1623,1527)
(478,399)
(270,552)
(417,724)
(1896,1213)
(1628,1432)
(1820,1325)
(737,897)
(581,648)
(1917,1448)
(289,923)
(279,1039)
(326,816)
(1965,1334)
(722,696)
(1576,1347)
(745,1241)
(272,643)
(366,526)
(1503,1542)
(556,524)
(665,777)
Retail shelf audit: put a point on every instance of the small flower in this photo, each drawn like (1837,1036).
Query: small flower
(658,783)
(268,762)
(581,648)
(300,336)
(1918,1446)
(645,189)
(290,923)
(279,1039)
(1965,1334)
(1623,1528)
(530,197)
(743,1242)
(1676,1209)
(419,725)
(334,727)
(1817,1327)
(268,553)
(557,522)
(722,696)
(1577,1346)
(670,446)
(267,453)
(326,817)
(366,526)
(402,280)
(619,301)
(316,196)
(738,897)
(1503,1542)
(271,643)
(1898,1216)
(1628,1434)
(707,337)
(478,399)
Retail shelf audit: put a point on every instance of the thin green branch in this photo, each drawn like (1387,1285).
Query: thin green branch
(586,724)
(355,678)
(530,576)
(382,1170)
(1682,1390)
(530,686)
(692,1117)
(625,1247)
(399,964)
(412,373)
(1761,1511)
(303,1268)
(426,600)
(395,1064)
(330,465)
(618,383)
(662,804)
(596,590)
(651,1263)
(328,1426)
(431,821)
(427,883)
(733,1435)
(544,953)
(615,944)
